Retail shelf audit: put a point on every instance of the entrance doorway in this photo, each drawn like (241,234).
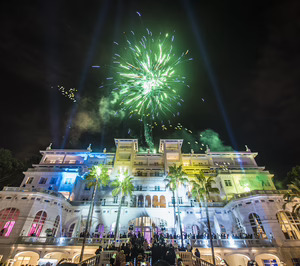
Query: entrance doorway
(147,226)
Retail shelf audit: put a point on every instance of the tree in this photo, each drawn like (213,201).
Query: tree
(201,190)
(11,169)
(176,177)
(294,193)
(97,177)
(124,187)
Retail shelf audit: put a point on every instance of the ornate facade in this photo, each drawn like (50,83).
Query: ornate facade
(55,197)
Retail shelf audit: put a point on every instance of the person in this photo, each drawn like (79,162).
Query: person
(197,253)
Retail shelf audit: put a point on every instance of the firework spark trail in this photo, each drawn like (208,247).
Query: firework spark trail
(68,93)
(145,79)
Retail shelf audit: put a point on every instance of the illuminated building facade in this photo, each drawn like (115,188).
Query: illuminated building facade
(55,198)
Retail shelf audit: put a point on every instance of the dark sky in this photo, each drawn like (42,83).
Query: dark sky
(246,66)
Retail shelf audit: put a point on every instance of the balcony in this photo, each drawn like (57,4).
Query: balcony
(196,204)
(259,192)
(107,203)
(66,241)
(228,243)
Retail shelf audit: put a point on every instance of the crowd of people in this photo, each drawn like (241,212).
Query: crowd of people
(137,251)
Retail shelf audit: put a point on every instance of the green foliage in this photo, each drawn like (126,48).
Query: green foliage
(98,175)
(11,169)
(175,177)
(202,187)
(124,187)
(293,194)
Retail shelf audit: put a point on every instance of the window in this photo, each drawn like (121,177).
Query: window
(296,261)
(270,262)
(139,188)
(290,224)
(69,181)
(257,226)
(8,218)
(53,180)
(228,183)
(38,223)
(43,181)
(157,188)
(99,229)
(173,200)
(29,180)
(115,199)
(180,200)
(71,230)
(55,225)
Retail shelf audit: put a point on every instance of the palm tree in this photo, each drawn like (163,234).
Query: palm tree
(123,185)
(97,177)
(201,190)
(293,194)
(176,176)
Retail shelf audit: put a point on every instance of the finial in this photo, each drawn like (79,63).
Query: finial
(104,150)
(207,149)
(247,149)
(49,147)
(89,148)
(192,151)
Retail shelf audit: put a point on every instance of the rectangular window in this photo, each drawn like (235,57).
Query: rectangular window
(53,180)
(29,180)
(270,263)
(43,180)
(116,199)
(228,183)
(180,200)
(157,188)
(173,200)
(69,181)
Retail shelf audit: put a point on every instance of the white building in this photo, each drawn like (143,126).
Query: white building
(54,195)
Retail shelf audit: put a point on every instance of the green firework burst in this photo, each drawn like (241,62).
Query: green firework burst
(146,78)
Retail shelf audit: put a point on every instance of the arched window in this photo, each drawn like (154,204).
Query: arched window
(8,218)
(148,201)
(38,223)
(257,226)
(162,202)
(223,229)
(140,201)
(290,224)
(55,225)
(71,230)
(155,202)
(99,230)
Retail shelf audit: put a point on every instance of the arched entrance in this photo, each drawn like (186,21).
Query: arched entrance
(237,259)
(26,257)
(147,226)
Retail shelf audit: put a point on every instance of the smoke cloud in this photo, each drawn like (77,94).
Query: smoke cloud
(212,139)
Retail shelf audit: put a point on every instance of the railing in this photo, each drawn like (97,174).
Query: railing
(99,203)
(259,192)
(90,261)
(193,204)
(67,241)
(232,243)
(200,262)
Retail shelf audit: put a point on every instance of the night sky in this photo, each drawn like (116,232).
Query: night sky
(246,66)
